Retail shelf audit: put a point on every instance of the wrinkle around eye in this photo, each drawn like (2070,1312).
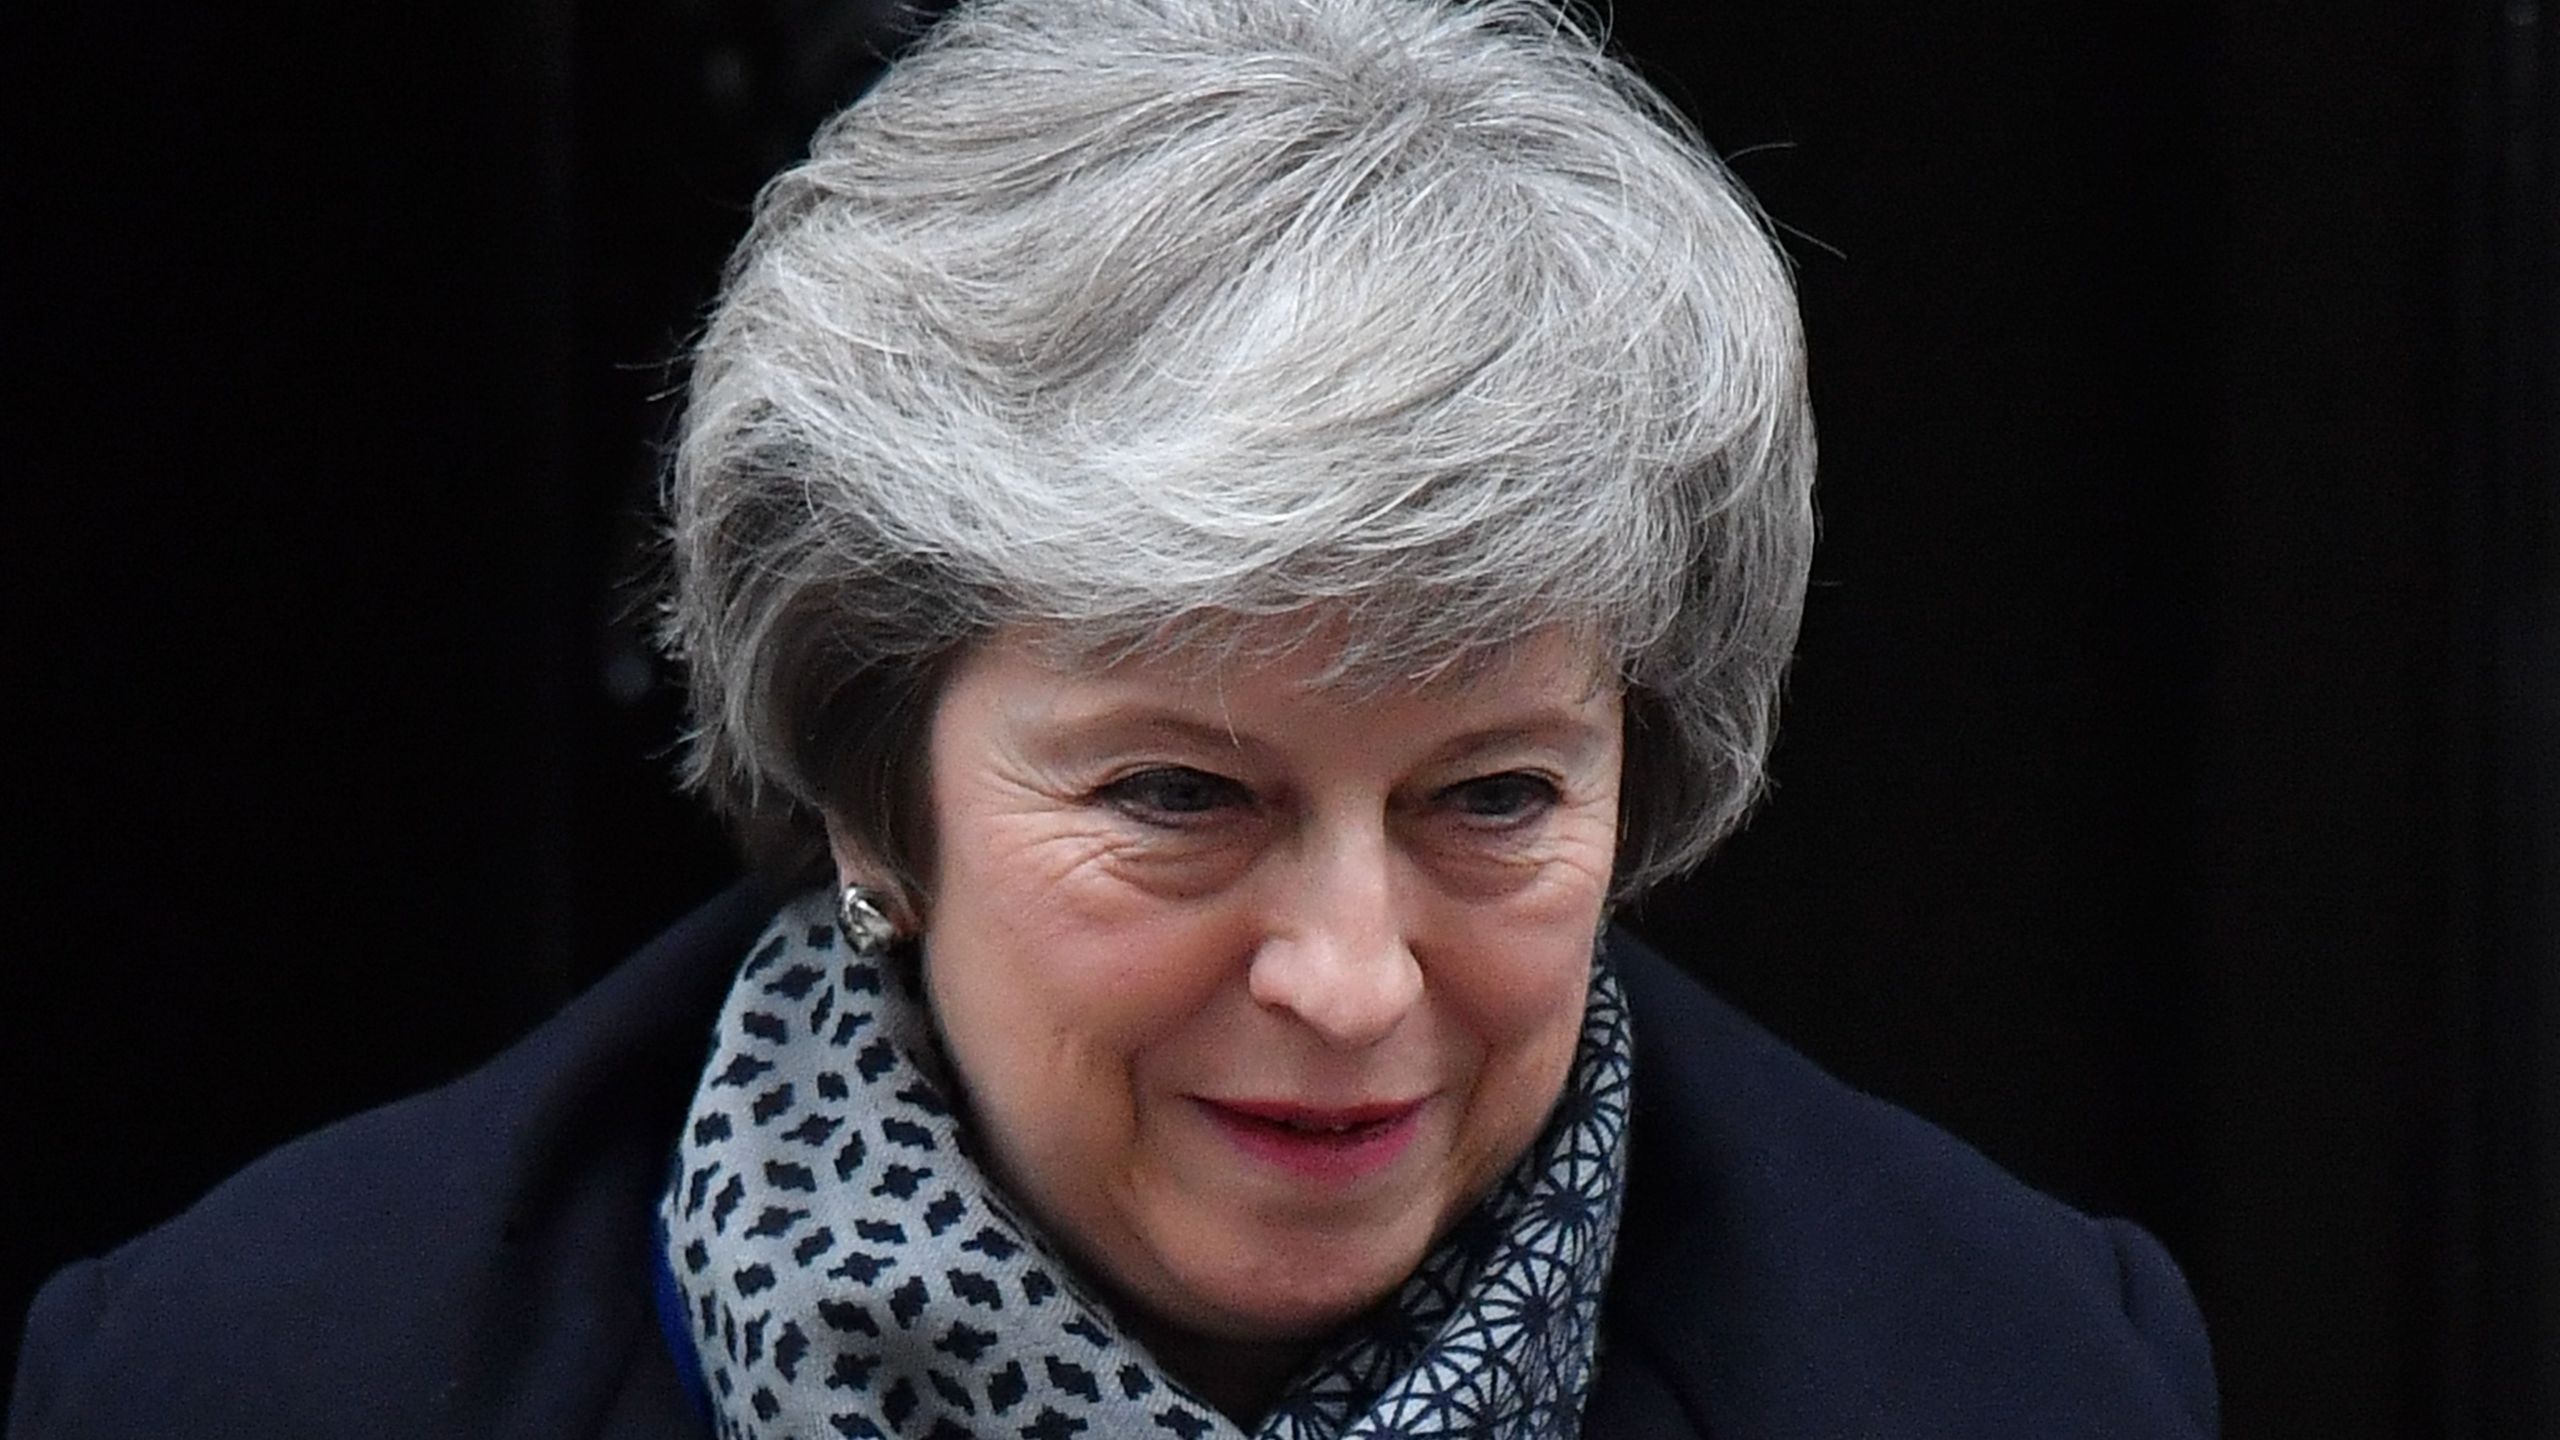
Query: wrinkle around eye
(1172,863)
(1130,860)
(1529,868)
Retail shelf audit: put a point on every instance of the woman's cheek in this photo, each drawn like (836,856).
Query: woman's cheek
(1093,967)
(1537,1011)
(1517,972)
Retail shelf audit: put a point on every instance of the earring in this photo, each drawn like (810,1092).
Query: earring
(866,926)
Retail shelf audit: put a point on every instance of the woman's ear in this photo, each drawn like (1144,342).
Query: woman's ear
(856,865)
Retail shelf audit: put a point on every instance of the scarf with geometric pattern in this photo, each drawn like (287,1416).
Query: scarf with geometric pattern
(846,1268)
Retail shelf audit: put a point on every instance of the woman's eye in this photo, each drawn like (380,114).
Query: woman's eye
(1174,793)
(1503,798)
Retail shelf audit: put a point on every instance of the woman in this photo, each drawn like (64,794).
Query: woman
(1213,540)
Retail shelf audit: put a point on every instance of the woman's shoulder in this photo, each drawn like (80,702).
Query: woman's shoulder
(437,1266)
(1798,1257)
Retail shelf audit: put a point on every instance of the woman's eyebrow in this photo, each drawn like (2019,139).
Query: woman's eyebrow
(1576,738)
(1109,727)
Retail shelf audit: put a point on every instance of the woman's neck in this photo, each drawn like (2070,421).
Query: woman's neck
(1242,1379)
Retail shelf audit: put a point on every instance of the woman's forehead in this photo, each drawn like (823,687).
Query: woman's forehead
(1538,694)
(1330,654)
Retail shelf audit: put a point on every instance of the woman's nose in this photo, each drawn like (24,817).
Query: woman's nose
(1335,953)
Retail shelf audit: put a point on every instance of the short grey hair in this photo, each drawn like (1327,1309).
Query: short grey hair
(1152,323)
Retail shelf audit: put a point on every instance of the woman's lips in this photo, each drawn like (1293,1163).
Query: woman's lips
(1332,1144)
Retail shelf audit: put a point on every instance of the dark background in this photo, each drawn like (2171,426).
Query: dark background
(2167,802)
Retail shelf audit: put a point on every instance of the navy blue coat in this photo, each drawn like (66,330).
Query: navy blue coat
(1797,1259)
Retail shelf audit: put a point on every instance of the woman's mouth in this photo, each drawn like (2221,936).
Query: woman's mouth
(1331,1144)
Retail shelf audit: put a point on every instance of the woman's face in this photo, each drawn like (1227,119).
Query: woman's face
(1256,988)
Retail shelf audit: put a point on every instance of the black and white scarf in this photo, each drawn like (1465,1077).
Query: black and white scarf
(847,1269)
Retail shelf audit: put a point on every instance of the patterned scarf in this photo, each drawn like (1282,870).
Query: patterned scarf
(847,1269)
